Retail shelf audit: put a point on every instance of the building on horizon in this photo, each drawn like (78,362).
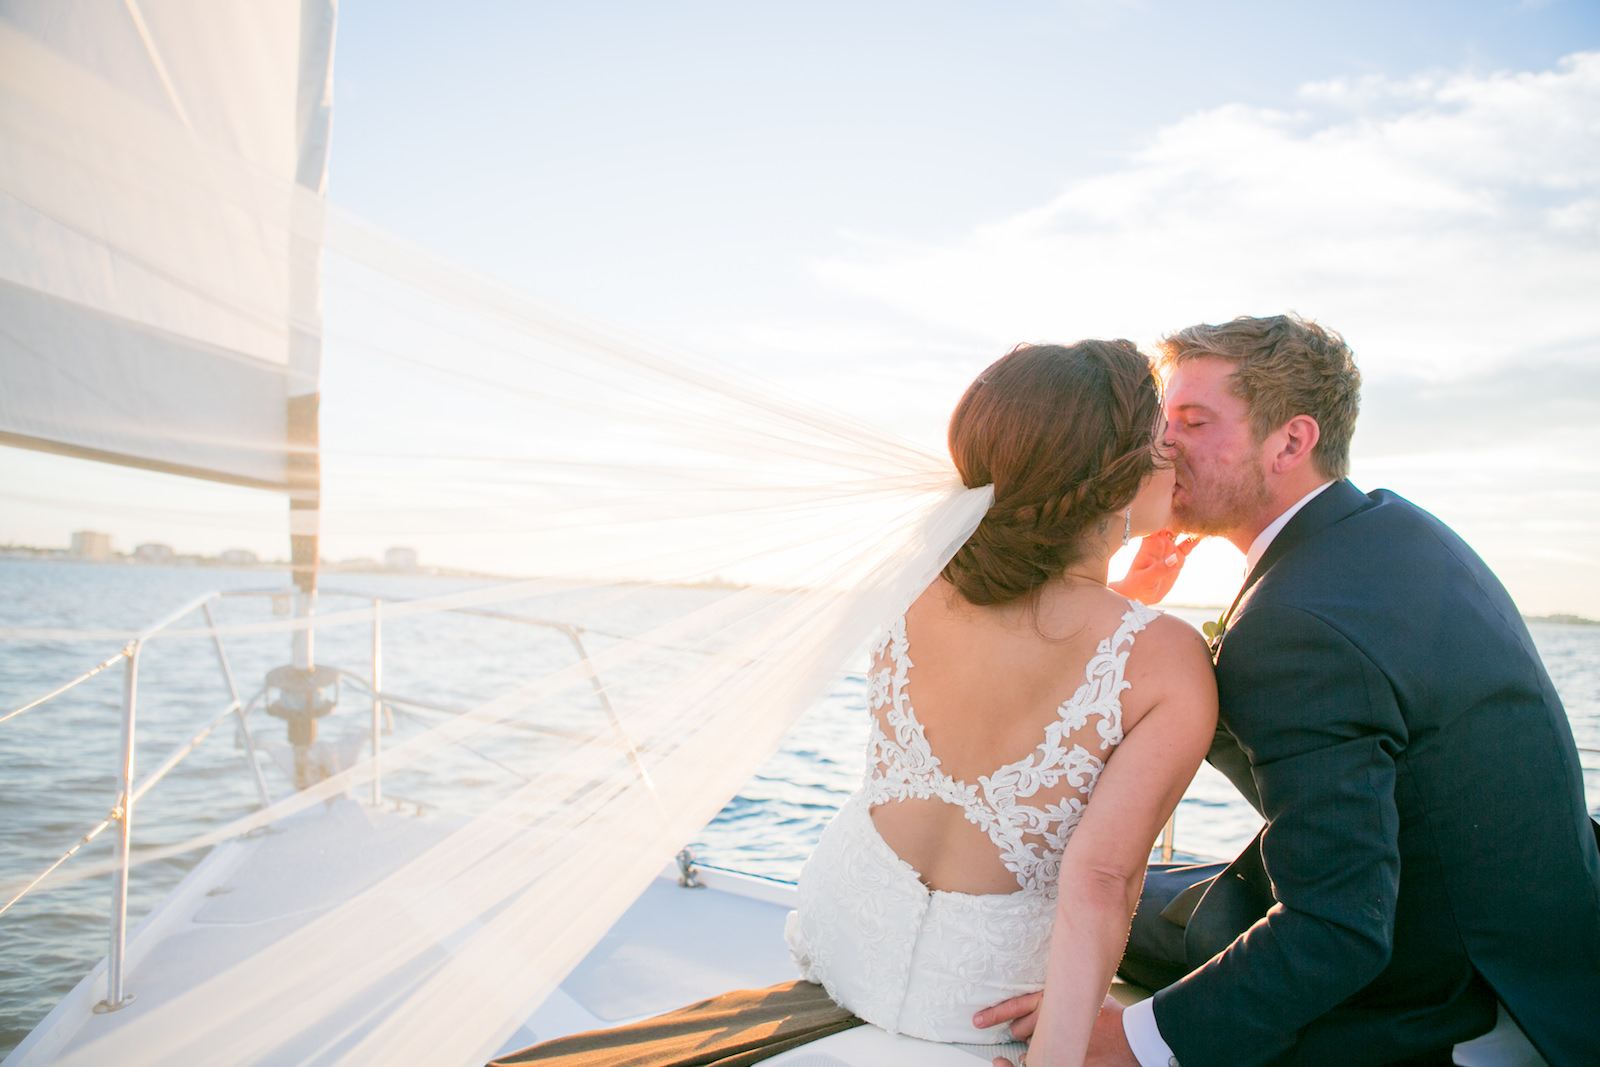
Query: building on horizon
(237,557)
(153,552)
(400,559)
(87,544)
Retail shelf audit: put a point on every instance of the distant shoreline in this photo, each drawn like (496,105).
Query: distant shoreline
(349,566)
(1563,618)
(367,566)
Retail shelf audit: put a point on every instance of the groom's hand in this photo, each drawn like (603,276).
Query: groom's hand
(1108,1042)
(1021,1012)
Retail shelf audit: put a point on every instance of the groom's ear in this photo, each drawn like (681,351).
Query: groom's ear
(1295,440)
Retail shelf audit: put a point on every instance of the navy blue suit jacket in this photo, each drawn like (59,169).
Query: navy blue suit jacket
(1427,848)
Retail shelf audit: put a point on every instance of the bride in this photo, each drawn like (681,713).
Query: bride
(1032,729)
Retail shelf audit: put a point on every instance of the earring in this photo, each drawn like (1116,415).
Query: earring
(1127,525)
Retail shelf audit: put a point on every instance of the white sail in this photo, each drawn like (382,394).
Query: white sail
(161,168)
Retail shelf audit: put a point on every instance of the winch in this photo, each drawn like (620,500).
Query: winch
(300,696)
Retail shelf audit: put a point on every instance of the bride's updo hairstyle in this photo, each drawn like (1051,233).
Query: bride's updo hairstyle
(1066,435)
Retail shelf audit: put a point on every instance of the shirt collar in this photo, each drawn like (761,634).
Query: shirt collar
(1263,541)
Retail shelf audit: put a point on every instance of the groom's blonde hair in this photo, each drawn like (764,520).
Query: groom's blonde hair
(1283,366)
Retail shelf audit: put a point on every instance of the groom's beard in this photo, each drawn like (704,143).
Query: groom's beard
(1219,502)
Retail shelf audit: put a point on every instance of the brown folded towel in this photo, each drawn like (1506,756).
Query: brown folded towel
(731,1030)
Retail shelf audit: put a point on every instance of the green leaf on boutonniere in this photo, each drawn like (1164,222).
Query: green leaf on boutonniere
(1214,630)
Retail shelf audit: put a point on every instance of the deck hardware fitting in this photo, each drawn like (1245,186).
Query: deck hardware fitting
(105,1007)
(687,871)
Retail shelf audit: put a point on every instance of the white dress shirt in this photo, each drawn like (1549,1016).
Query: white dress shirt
(1264,539)
(1503,1046)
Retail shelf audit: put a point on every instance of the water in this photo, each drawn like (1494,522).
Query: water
(57,762)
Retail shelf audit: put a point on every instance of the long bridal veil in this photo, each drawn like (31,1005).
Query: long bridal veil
(173,288)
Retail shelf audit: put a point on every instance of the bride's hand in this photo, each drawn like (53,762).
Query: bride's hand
(1155,567)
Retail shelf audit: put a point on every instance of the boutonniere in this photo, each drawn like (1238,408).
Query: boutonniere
(1214,631)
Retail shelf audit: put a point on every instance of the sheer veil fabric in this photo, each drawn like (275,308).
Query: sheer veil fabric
(729,549)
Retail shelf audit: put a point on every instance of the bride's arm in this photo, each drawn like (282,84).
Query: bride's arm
(1103,869)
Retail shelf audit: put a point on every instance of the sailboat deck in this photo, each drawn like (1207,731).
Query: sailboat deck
(674,946)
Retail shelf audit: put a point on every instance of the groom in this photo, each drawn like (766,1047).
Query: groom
(1427,857)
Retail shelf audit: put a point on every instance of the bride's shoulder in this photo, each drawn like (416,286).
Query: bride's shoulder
(1172,633)
(1169,648)
(1162,625)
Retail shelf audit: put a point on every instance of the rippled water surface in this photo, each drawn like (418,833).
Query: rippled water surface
(57,762)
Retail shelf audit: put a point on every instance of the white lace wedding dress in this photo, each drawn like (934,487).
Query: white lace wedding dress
(918,961)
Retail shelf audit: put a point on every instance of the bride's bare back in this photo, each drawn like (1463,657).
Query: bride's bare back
(986,684)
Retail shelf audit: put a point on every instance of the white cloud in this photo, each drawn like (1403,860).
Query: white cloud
(1444,223)
(1447,224)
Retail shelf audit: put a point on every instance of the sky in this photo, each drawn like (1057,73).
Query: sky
(867,202)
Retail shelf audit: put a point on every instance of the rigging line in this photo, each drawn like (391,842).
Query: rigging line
(440,709)
(81,678)
(155,61)
(484,756)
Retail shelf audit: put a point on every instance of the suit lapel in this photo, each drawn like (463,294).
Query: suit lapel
(1242,893)
(1329,506)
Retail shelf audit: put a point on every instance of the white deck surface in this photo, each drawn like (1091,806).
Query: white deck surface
(237,901)
(673,947)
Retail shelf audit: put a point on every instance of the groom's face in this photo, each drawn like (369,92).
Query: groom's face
(1221,479)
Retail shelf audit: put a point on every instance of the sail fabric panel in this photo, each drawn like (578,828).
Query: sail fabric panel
(148,154)
(222,70)
(81,382)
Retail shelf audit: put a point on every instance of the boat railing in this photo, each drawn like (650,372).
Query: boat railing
(573,633)
(130,791)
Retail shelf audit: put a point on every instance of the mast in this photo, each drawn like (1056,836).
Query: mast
(313,116)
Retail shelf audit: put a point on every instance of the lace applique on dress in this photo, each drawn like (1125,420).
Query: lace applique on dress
(1031,838)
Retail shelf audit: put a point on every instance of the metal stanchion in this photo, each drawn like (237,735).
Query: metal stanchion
(377,699)
(115,998)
